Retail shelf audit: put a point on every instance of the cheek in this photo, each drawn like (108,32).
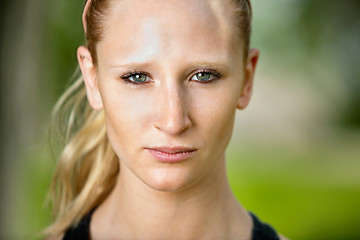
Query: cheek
(214,112)
(127,116)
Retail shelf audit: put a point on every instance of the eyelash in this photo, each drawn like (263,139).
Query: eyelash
(216,75)
(125,77)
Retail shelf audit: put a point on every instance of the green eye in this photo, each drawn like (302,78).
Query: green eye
(138,78)
(205,77)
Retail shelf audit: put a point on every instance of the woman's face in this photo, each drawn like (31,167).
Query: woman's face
(170,76)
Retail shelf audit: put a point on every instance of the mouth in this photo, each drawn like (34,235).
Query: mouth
(171,154)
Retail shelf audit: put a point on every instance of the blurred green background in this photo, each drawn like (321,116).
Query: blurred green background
(294,158)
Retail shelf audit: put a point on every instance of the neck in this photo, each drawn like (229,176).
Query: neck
(207,209)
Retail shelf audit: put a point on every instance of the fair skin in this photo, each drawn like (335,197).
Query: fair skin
(170,77)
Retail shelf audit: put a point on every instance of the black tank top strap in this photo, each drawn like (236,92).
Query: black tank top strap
(81,231)
(262,231)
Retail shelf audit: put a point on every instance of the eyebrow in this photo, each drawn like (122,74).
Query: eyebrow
(221,65)
(202,64)
(130,65)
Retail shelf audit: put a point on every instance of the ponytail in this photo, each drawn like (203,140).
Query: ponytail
(87,168)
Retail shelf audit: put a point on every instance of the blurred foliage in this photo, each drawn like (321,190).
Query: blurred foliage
(334,26)
(317,39)
(310,193)
(63,34)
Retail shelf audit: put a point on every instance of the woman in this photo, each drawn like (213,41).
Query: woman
(146,160)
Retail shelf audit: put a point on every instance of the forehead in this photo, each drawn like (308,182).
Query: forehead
(143,28)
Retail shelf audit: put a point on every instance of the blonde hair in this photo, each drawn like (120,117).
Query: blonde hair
(88,167)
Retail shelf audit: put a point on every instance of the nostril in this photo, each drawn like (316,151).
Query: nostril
(173,123)
(174,126)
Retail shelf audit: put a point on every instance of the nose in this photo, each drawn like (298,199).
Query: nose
(173,117)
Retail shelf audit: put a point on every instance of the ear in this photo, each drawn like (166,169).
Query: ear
(246,90)
(89,73)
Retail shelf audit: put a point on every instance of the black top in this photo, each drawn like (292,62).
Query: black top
(261,231)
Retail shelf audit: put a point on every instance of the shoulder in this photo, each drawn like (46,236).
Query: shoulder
(281,237)
(58,237)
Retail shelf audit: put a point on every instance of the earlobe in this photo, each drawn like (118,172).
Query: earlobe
(89,74)
(246,90)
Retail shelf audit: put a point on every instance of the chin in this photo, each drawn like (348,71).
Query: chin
(169,180)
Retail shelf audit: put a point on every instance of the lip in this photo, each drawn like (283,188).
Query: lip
(171,154)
